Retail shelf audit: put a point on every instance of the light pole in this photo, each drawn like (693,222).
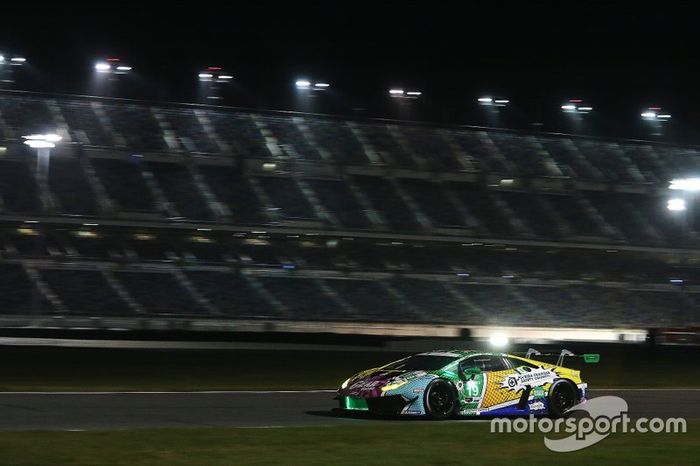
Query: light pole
(403,101)
(212,79)
(308,92)
(656,118)
(109,75)
(7,66)
(43,143)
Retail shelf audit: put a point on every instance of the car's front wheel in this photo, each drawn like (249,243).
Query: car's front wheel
(562,396)
(440,400)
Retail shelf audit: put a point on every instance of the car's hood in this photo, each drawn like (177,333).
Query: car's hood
(370,383)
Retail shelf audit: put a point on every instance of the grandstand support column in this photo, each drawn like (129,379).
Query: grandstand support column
(582,160)
(271,143)
(407,147)
(220,210)
(310,139)
(106,204)
(269,208)
(314,201)
(471,221)
(169,135)
(370,151)
(628,165)
(377,220)
(342,303)
(188,286)
(157,192)
(496,153)
(62,127)
(211,133)
(603,224)
(123,293)
(413,205)
(515,222)
(465,160)
(268,296)
(106,123)
(547,160)
(44,289)
(560,223)
(536,316)
(474,314)
(4,129)
(404,302)
(41,174)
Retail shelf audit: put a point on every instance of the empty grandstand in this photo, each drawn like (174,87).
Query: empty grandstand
(180,213)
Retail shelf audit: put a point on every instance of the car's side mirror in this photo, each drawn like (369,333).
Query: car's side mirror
(468,373)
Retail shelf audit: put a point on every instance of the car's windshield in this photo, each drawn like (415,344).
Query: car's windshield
(422,362)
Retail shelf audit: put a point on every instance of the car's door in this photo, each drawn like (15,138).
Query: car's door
(495,393)
(530,381)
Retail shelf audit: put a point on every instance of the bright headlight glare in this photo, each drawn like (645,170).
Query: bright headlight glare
(345,384)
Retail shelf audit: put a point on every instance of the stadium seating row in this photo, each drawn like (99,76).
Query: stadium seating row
(44,290)
(141,128)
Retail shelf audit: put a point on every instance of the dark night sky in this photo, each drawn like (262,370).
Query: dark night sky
(618,56)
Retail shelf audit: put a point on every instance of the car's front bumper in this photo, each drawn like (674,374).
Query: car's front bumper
(390,405)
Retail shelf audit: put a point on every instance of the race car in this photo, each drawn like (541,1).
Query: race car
(444,384)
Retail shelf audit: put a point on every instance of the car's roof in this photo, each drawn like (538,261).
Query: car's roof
(458,353)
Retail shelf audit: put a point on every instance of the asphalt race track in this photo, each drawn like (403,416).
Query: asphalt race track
(92,410)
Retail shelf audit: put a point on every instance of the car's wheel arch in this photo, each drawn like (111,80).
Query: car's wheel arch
(453,388)
(571,384)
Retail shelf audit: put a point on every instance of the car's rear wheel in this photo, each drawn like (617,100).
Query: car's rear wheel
(562,396)
(440,400)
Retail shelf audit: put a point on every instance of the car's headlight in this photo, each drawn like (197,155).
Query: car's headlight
(393,386)
(345,384)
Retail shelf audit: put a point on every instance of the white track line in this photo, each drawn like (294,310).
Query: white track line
(269,392)
(192,392)
(673,389)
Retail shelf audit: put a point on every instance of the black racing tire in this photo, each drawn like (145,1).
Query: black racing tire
(440,400)
(562,396)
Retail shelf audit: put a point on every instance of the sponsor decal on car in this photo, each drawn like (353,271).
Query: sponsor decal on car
(537,406)
(534,378)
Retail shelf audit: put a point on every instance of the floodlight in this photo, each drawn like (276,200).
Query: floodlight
(676,205)
(685,184)
(42,141)
(498,340)
(37,144)
(655,114)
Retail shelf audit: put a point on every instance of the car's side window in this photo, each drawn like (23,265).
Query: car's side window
(486,363)
(514,363)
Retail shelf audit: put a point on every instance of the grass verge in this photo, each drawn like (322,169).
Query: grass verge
(388,444)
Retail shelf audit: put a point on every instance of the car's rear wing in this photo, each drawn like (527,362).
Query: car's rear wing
(587,357)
